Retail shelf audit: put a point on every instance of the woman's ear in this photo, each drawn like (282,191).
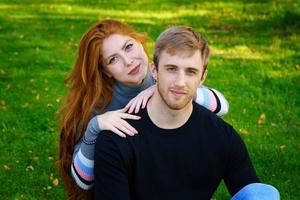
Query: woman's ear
(153,70)
(107,73)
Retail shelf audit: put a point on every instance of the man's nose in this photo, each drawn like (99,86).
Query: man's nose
(180,79)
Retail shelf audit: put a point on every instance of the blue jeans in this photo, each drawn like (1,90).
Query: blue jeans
(257,191)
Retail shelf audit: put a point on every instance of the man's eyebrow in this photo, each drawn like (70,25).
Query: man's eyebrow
(193,68)
(169,65)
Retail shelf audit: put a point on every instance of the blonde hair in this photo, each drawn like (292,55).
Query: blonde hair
(181,39)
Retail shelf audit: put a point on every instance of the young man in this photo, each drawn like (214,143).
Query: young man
(182,150)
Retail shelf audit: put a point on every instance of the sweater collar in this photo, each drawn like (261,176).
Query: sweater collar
(126,90)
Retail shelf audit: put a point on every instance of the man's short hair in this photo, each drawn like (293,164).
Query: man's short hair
(183,40)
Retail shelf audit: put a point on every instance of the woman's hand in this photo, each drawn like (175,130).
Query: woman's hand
(140,100)
(115,122)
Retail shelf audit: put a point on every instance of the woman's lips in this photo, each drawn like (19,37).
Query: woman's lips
(135,70)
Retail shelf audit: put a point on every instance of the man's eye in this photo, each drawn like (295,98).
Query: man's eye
(171,69)
(128,46)
(192,72)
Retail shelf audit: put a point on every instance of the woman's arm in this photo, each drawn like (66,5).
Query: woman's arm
(212,99)
(82,168)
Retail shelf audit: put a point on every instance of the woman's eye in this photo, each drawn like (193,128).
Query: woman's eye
(112,60)
(128,46)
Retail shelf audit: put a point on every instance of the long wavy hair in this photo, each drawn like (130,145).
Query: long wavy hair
(87,83)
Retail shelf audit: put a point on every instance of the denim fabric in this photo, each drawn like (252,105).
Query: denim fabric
(257,191)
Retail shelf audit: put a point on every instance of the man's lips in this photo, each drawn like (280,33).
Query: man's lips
(135,70)
(178,92)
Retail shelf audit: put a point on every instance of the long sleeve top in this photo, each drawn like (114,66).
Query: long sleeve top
(188,162)
(82,168)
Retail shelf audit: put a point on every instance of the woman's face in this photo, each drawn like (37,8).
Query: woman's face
(124,59)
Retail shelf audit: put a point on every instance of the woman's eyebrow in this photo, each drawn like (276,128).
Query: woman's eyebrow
(124,45)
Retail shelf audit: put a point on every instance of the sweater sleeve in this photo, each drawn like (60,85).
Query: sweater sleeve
(82,168)
(212,99)
(239,170)
(111,174)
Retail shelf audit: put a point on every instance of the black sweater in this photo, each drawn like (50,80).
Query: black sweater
(184,163)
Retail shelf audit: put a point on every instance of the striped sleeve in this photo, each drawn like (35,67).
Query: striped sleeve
(213,100)
(82,168)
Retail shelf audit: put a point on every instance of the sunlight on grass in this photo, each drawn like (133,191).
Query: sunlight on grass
(255,64)
(65,9)
(224,10)
(239,51)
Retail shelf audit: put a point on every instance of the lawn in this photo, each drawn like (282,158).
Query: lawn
(255,63)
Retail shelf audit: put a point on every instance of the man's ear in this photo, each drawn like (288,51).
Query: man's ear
(153,70)
(204,74)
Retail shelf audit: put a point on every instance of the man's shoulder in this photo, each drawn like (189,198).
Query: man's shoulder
(109,140)
(205,114)
(211,121)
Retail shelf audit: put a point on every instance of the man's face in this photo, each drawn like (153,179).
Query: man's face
(178,77)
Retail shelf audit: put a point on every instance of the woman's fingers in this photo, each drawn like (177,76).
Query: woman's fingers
(122,110)
(118,132)
(132,106)
(144,103)
(127,128)
(138,105)
(129,116)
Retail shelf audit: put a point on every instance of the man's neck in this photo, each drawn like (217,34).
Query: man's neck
(165,117)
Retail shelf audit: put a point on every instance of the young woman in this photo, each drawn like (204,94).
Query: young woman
(108,82)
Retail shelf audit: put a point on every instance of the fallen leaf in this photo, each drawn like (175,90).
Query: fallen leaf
(49,105)
(57,100)
(29,168)
(244,131)
(8,86)
(51,176)
(6,167)
(55,182)
(282,146)
(262,119)
(35,158)
(25,105)
(273,124)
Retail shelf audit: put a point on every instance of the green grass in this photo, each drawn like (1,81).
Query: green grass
(255,63)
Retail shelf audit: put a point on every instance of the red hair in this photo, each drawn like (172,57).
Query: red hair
(87,83)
